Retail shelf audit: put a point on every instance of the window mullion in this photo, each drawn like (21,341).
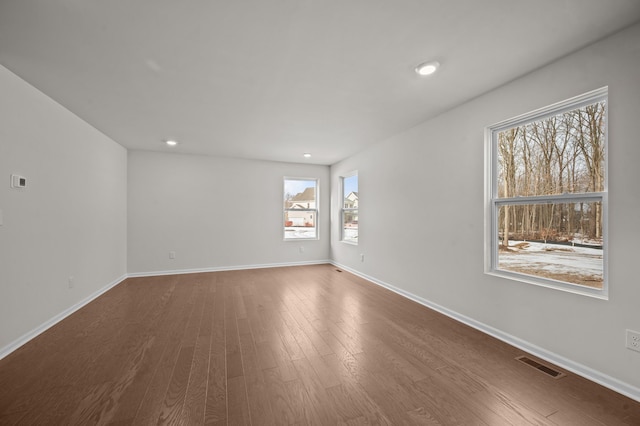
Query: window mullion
(541,199)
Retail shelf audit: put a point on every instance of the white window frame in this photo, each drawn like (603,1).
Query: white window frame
(344,210)
(493,203)
(315,210)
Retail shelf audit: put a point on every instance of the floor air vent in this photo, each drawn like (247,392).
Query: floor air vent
(547,370)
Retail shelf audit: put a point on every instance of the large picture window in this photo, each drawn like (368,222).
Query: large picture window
(547,196)
(300,209)
(349,214)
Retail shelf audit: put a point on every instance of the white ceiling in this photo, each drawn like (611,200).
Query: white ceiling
(272,79)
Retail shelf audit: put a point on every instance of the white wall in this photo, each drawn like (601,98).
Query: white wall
(215,213)
(436,171)
(69,221)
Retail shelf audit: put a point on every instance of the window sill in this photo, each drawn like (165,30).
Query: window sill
(552,284)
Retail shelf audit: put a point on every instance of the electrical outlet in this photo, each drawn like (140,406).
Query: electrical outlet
(172,255)
(71,283)
(301,249)
(362,258)
(18,182)
(633,340)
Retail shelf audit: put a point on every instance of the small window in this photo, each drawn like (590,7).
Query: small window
(300,209)
(547,196)
(350,208)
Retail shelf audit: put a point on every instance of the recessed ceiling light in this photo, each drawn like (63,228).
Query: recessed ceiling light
(427,68)
(171,142)
(306,155)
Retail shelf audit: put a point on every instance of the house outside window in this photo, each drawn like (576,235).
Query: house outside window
(349,213)
(300,209)
(547,196)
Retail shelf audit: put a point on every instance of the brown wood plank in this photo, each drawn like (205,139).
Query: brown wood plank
(11,419)
(216,399)
(349,397)
(265,356)
(328,377)
(315,398)
(257,400)
(423,417)
(195,398)
(232,343)
(311,334)
(238,407)
(151,405)
(283,407)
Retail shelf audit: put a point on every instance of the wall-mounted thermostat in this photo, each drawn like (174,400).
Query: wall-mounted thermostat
(18,181)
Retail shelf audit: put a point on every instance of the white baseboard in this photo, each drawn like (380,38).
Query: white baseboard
(56,319)
(582,370)
(225,268)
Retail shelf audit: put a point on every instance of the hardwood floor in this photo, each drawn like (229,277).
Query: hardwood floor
(298,345)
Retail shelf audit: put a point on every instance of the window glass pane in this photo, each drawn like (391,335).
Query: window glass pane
(300,208)
(299,224)
(560,154)
(350,209)
(350,226)
(299,193)
(350,191)
(560,241)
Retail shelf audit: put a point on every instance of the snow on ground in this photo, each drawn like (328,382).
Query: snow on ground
(300,232)
(560,259)
(350,234)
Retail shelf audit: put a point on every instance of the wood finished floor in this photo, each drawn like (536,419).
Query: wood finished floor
(282,346)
